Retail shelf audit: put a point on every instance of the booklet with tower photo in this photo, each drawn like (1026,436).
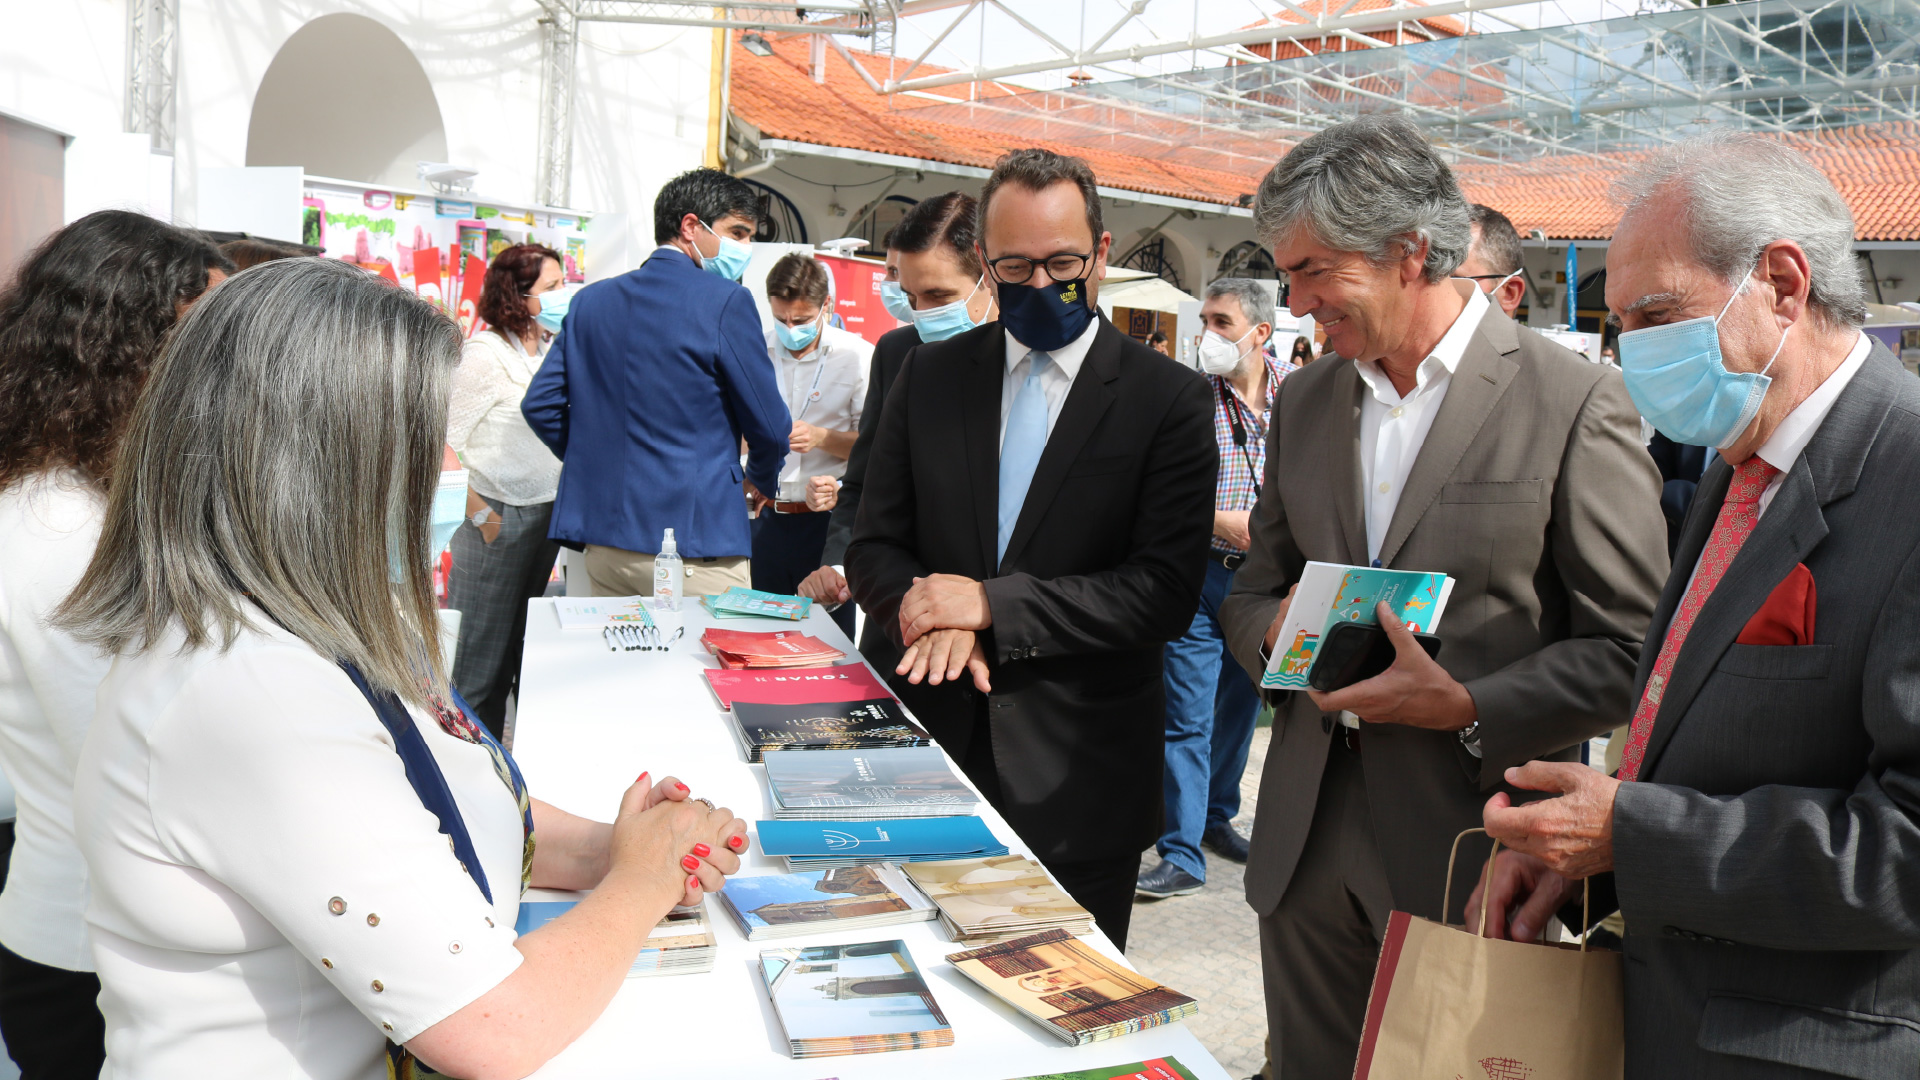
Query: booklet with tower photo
(852,999)
(844,898)
(1330,593)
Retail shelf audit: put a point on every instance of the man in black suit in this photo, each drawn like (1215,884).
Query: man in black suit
(933,260)
(1036,515)
(1762,837)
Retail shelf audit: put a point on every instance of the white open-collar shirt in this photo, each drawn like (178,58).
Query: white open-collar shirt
(826,388)
(1394,428)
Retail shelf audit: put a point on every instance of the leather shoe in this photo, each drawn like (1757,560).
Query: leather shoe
(1226,842)
(1167,880)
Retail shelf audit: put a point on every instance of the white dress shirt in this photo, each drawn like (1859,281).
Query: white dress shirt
(1055,381)
(1393,428)
(825,388)
(225,798)
(49,524)
(485,427)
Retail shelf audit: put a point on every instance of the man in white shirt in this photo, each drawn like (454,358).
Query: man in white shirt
(1447,440)
(822,372)
(1761,836)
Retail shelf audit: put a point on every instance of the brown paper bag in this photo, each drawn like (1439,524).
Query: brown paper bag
(1449,1004)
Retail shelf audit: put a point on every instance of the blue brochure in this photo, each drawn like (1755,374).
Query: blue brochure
(888,840)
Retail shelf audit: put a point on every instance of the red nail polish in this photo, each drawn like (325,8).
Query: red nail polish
(642,778)
(681,786)
(690,863)
(693,883)
(702,850)
(737,842)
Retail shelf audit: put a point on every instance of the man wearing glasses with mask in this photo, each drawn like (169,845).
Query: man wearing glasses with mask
(1034,530)
(1494,260)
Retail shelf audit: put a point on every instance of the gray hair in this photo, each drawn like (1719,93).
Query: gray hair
(1255,303)
(1374,186)
(1741,192)
(288,440)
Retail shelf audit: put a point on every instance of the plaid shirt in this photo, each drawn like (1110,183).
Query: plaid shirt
(1240,470)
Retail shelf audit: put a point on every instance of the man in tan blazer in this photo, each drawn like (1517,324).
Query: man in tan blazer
(1436,435)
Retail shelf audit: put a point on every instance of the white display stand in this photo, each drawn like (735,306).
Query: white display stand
(589,721)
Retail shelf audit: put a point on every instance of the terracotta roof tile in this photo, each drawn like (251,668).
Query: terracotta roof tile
(1875,167)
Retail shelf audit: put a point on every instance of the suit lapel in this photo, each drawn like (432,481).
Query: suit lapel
(1344,429)
(1475,388)
(1086,403)
(1787,533)
(980,413)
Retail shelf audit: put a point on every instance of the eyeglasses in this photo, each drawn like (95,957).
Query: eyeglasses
(1018,269)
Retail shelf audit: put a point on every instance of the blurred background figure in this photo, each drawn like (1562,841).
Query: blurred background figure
(78,330)
(1302,351)
(1157,341)
(501,554)
(1494,260)
(822,372)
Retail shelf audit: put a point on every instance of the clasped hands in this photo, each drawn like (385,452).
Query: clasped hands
(1554,844)
(685,844)
(939,620)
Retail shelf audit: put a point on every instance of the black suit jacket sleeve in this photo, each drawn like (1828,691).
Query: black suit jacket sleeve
(885,559)
(1148,599)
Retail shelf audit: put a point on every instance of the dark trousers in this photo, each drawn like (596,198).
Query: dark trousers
(489,586)
(1319,947)
(51,1020)
(788,547)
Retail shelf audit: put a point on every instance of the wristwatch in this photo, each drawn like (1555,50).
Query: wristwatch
(1470,738)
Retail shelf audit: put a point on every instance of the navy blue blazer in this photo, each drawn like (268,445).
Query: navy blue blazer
(655,378)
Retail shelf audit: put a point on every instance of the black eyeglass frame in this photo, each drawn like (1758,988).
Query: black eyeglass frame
(1085,261)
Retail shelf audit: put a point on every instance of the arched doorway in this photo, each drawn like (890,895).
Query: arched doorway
(346,98)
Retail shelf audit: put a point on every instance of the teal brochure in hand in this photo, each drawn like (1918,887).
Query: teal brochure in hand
(889,840)
(1330,593)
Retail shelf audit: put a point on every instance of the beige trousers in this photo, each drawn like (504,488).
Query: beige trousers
(613,572)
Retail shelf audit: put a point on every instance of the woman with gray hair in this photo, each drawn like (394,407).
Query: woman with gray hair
(307,857)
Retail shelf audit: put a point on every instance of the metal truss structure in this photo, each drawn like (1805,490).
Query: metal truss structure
(1778,66)
(153,56)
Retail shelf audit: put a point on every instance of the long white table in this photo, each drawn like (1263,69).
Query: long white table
(588,722)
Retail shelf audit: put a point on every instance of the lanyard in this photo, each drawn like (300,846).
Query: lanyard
(1234,406)
(813,392)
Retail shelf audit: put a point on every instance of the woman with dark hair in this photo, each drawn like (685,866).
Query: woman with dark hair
(307,857)
(1302,354)
(78,329)
(501,555)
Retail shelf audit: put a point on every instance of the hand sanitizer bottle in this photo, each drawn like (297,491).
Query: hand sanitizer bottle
(668,574)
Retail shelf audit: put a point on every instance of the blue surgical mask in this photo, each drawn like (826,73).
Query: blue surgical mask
(731,260)
(553,308)
(894,298)
(1680,383)
(943,322)
(795,338)
(448,511)
(1045,318)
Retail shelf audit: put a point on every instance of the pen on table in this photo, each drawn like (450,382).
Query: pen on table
(606,635)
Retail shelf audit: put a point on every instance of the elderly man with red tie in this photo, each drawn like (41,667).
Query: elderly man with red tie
(1762,836)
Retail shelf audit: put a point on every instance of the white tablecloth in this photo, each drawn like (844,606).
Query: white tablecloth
(588,722)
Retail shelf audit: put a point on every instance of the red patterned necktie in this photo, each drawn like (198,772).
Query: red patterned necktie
(1730,530)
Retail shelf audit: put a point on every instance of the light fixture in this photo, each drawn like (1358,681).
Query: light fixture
(755,44)
(448,179)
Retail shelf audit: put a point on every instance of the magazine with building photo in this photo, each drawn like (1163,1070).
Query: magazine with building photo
(844,898)
(681,943)
(856,784)
(982,901)
(1071,989)
(1330,593)
(852,999)
(874,724)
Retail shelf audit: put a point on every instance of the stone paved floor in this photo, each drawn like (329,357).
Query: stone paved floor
(1207,946)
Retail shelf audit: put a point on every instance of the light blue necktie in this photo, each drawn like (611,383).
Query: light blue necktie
(1020,449)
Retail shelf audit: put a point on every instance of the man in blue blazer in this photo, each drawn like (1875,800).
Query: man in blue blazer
(655,379)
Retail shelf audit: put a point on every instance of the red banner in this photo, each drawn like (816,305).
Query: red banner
(856,291)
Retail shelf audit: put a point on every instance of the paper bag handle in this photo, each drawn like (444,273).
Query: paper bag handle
(1486,882)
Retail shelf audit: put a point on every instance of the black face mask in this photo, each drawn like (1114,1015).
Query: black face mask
(1044,318)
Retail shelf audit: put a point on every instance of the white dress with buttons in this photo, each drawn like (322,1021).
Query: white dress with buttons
(270,898)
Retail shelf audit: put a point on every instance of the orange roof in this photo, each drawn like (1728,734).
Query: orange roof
(1429,29)
(1875,167)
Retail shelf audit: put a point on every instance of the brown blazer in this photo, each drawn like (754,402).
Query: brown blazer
(1534,492)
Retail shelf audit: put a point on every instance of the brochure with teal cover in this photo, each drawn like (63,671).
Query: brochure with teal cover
(889,840)
(1330,593)
(737,602)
